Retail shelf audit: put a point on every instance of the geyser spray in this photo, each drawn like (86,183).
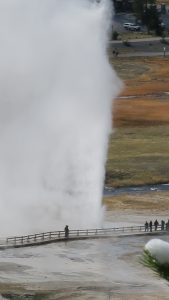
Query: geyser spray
(56,91)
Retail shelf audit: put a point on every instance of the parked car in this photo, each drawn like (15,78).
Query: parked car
(131,26)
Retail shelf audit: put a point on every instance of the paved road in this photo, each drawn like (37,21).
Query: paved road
(140,47)
(142,54)
(146,40)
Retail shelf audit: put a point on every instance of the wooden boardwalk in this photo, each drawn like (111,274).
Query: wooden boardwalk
(59,236)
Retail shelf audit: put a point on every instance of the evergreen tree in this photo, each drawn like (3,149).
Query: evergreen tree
(146,12)
(140,7)
(152,21)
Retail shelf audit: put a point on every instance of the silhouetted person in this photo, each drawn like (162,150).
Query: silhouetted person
(150,225)
(167,225)
(156,224)
(146,226)
(117,53)
(66,231)
(162,224)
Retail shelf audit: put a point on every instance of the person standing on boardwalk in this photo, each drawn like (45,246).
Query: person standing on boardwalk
(151,225)
(146,226)
(162,225)
(156,224)
(167,225)
(66,231)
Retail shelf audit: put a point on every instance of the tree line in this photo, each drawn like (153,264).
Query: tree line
(147,13)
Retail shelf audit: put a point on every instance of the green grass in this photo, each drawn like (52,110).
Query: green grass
(152,263)
(138,156)
(128,35)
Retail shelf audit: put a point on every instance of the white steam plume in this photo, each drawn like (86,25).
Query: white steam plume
(56,91)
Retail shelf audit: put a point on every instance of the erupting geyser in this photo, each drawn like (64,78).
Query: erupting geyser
(56,91)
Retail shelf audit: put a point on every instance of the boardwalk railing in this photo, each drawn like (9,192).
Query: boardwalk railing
(47,237)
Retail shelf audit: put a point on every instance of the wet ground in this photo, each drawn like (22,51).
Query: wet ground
(91,269)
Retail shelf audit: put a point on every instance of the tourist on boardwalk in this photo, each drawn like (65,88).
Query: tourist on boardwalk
(167,225)
(146,226)
(66,231)
(156,224)
(162,224)
(115,52)
(151,225)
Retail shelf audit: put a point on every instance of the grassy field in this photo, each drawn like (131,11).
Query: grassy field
(139,148)
(150,203)
(147,81)
(127,35)
(138,156)
(162,1)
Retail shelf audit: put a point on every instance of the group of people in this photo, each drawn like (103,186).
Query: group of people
(149,226)
(115,52)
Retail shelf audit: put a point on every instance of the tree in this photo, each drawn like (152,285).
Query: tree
(152,21)
(146,12)
(115,35)
(140,7)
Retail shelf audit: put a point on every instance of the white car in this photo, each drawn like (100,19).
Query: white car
(131,26)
